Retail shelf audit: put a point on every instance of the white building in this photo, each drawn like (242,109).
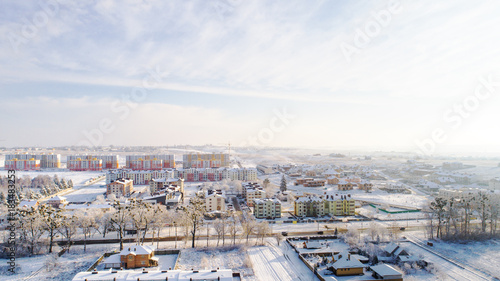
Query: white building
(157,275)
(215,201)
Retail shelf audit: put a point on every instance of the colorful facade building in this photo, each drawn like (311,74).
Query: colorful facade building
(150,162)
(199,160)
(49,160)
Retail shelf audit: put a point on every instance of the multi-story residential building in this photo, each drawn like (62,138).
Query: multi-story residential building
(92,162)
(216,174)
(150,162)
(267,208)
(209,160)
(49,160)
(109,161)
(21,164)
(252,194)
(343,205)
(314,206)
(88,163)
(215,201)
(139,177)
(310,206)
(120,187)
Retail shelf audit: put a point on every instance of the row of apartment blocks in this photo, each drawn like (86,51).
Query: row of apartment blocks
(329,204)
(188,175)
(27,161)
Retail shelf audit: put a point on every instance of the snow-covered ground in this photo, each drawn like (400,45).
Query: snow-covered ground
(87,193)
(279,263)
(234,258)
(78,178)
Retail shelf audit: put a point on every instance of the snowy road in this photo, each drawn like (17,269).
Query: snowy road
(270,263)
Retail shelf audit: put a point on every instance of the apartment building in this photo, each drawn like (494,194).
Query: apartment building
(310,206)
(252,194)
(22,164)
(205,160)
(342,205)
(75,163)
(139,177)
(120,187)
(150,162)
(215,201)
(329,204)
(27,161)
(216,174)
(267,208)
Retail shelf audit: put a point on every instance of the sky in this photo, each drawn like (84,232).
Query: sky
(389,75)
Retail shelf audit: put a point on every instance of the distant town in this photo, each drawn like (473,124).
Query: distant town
(161,213)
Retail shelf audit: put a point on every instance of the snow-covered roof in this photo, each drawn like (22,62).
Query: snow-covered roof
(57,198)
(386,271)
(171,275)
(137,249)
(347,261)
(309,199)
(28,204)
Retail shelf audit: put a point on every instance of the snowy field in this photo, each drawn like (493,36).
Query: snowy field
(78,178)
(87,193)
(484,256)
(66,266)
(234,258)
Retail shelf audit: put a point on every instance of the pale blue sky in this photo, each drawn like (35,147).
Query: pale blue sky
(227,65)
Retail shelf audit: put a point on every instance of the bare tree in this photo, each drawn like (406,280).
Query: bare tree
(31,229)
(249,225)
(86,222)
(194,217)
(51,220)
(263,229)
(119,219)
(68,228)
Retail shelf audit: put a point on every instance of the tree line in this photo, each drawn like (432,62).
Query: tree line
(467,216)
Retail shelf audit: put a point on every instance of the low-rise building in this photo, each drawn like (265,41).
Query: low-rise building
(386,272)
(267,208)
(120,187)
(132,257)
(344,265)
(365,185)
(57,201)
(345,185)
